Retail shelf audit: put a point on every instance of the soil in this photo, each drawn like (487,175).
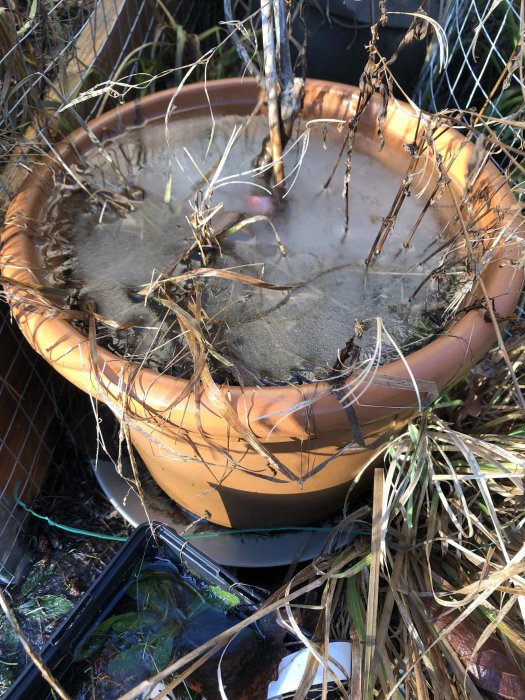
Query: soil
(57,566)
(268,336)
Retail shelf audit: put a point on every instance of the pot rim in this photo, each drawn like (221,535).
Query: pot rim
(462,343)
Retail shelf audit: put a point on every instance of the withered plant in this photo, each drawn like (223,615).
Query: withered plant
(430,591)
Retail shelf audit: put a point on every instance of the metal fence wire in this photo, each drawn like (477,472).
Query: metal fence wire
(485,67)
(29,433)
(50,51)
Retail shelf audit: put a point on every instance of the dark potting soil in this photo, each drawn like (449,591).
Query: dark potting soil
(58,566)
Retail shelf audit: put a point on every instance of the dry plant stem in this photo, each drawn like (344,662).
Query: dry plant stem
(247,62)
(373,586)
(352,130)
(348,145)
(447,244)
(272,90)
(33,655)
(388,606)
(283,46)
(408,239)
(436,271)
(221,404)
(490,309)
(404,190)
(136,475)
(390,219)
(415,519)
(508,150)
(292,88)
(486,589)
(421,690)
(169,17)
(356,678)
(503,349)
(503,75)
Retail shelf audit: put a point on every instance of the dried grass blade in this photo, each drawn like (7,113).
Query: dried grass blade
(489,586)
(483,656)
(373,585)
(33,655)
(483,487)
(356,680)
(223,274)
(194,340)
(489,305)
(421,686)
(226,410)
(203,375)
(515,639)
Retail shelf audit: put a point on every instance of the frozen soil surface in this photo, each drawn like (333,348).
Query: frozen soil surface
(270,336)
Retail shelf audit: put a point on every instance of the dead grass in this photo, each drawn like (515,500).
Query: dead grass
(433,598)
(431,591)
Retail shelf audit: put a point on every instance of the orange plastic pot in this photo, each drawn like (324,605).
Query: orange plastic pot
(194,453)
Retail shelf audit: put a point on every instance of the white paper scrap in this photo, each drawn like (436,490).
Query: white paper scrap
(292,668)
(157,690)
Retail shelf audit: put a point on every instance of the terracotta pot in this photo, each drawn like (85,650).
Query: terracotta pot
(212,470)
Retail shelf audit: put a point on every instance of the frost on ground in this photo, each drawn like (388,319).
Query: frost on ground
(269,335)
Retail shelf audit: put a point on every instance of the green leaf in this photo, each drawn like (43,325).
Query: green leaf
(413,432)
(355,606)
(161,650)
(224,598)
(154,591)
(148,656)
(35,579)
(128,622)
(28,23)
(48,608)
(8,639)
(56,606)
(128,662)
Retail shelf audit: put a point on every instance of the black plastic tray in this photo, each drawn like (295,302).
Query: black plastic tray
(104,594)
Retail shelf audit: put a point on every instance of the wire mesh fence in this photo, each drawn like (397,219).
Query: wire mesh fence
(29,433)
(53,57)
(50,52)
(485,71)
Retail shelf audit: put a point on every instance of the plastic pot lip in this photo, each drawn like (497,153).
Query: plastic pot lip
(441,361)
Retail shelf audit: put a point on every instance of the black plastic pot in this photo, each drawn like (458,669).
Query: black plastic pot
(338,31)
(166,552)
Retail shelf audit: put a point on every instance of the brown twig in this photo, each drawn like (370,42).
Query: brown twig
(373,587)
(499,337)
